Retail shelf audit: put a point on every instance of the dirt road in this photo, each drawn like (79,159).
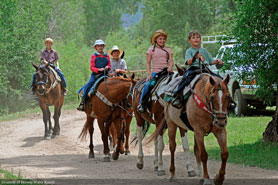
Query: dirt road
(23,149)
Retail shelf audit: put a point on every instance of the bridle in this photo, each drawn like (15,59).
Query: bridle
(41,82)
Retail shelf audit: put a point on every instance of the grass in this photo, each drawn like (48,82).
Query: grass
(244,140)
(23,114)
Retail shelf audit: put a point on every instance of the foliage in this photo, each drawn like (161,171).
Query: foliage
(103,17)
(256,29)
(22,30)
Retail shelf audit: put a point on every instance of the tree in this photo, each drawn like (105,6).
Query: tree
(256,28)
(103,17)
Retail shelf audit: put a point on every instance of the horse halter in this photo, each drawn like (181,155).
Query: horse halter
(217,116)
(41,82)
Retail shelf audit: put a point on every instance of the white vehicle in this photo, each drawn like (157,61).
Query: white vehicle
(243,92)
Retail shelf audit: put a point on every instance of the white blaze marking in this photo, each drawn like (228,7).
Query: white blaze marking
(220,94)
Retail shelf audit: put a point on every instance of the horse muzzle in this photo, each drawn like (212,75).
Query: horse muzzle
(220,119)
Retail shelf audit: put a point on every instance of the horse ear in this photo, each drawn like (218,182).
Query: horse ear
(133,76)
(227,79)
(36,67)
(212,81)
(180,70)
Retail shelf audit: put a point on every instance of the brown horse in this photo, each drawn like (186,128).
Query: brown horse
(207,112)
(49,91)
(155,115)
(105,108)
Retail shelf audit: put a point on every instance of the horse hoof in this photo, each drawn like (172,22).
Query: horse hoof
(115,156)
(218,180)
(127,152)
(106,159)
(54,136)
(192,174)
(91,155)
(161,173)
(156,168)
(122,152)
(205,182)
(47,137)
(172,178)
(139,166)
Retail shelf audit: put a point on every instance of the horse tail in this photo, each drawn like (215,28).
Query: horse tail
(157,131)
(84,132)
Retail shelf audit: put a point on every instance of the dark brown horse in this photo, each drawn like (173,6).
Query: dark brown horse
(155,115)
(207,112)
(115,90)
(49,91)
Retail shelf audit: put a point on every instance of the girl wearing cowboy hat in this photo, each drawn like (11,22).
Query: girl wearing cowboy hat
(158,57)
(99,63)
(117,62)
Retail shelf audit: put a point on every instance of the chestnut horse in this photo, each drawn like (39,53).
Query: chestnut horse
(206,111)
(155,115)
(115,90)
(49,91)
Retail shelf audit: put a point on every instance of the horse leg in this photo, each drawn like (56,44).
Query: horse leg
(118,128)
(90,122)
(199,138)
(49,121)
(57,113)
(172,129)
(140,161)
(45,111)
(198,159)
(222,141)
(185,146)
(104,128)
(127,132)
(160,148)
(155,161)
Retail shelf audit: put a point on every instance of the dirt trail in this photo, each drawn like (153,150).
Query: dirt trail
(22,148)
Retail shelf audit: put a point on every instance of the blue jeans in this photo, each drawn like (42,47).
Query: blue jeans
(146,88)
(63,79)
(86,88)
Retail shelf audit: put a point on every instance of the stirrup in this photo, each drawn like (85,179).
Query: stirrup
(141,108)
(81,107)
(177,103)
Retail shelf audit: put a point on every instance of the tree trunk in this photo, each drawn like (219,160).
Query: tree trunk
(271,131)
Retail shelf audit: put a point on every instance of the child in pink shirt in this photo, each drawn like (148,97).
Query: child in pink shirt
(158,58)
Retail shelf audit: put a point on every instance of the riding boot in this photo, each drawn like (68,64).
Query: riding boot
(177,102)
(81,106)
(141,108)
(65,91)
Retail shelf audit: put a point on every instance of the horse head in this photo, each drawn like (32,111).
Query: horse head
(41,77)
(218,100)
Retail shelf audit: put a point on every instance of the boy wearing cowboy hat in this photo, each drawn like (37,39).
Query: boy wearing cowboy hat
(158,57)
(51,56)
(117,61)
(99,63)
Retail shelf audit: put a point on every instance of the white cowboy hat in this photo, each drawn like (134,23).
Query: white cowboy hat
(99,42)
(115,48)
(157,34)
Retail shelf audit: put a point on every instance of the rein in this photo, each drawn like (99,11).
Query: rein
(209,108)
(52,86)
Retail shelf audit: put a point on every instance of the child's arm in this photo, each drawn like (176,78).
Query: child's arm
(56,61)
(217,61)
(93,64)
(171,63)
(109,63)
(148,65)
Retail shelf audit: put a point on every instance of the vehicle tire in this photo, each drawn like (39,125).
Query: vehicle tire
(241,105)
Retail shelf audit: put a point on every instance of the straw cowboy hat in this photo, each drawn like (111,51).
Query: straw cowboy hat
(48,40)
(115,48)
(157,34)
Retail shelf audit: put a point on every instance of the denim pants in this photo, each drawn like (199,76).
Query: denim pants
(146,88)
(86,88)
